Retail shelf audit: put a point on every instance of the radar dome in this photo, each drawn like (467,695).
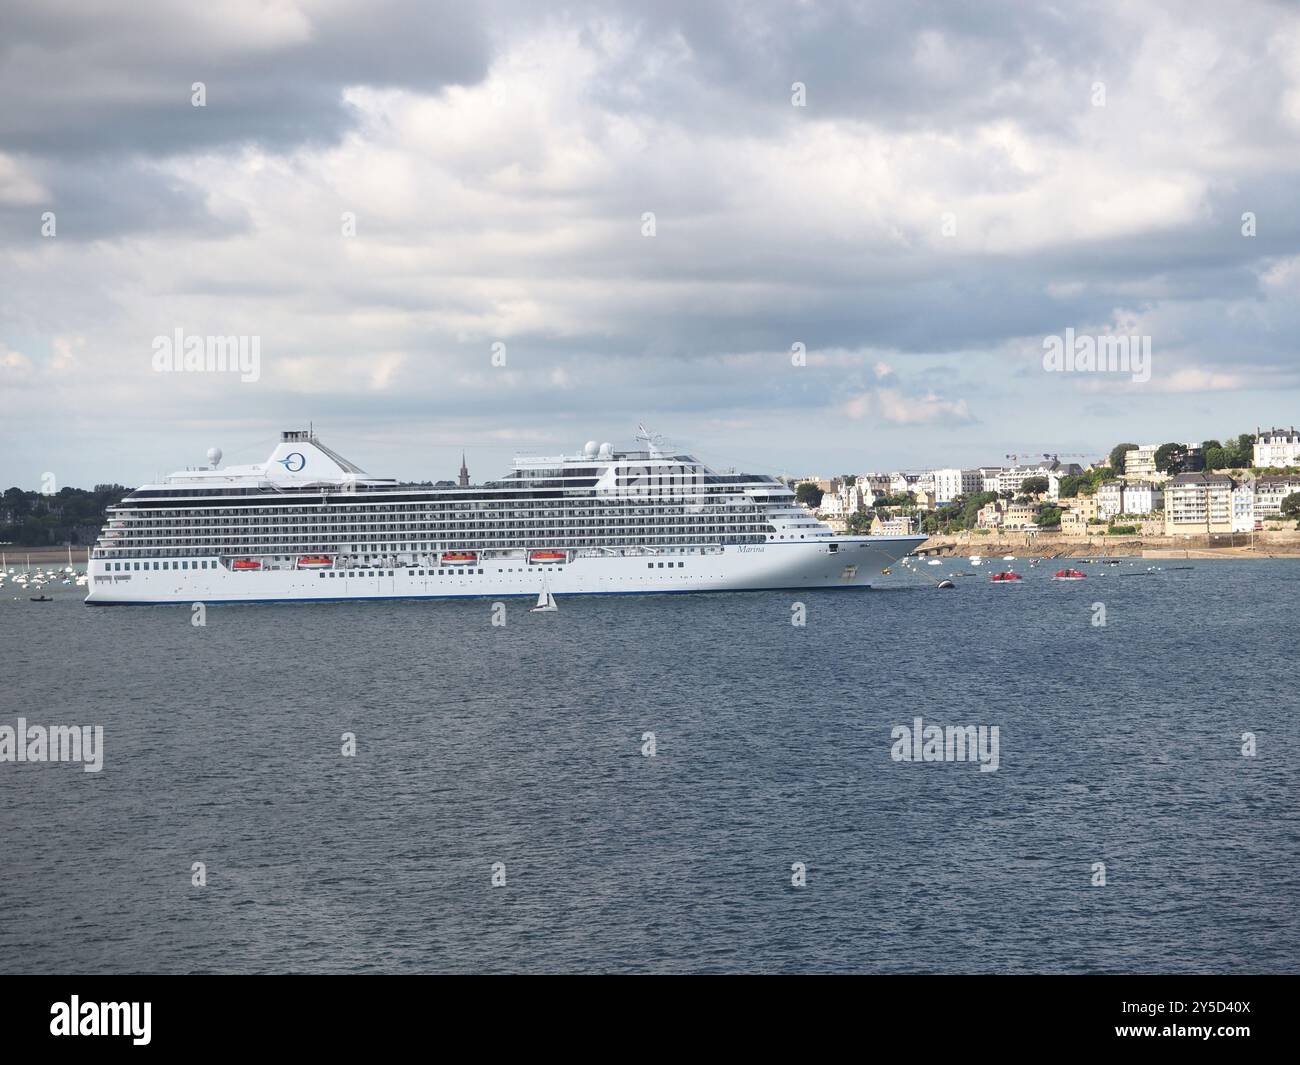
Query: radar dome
(589,449)
(214,456)
(606,450)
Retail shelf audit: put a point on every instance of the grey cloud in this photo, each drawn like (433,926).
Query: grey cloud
(117,79)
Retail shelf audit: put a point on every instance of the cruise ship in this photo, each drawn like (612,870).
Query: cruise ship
(307,524)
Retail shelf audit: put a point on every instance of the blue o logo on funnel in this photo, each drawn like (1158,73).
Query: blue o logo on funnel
(293,462)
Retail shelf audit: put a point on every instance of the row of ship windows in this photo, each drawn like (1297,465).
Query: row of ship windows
(249,545)
(410,573)
(117,567)
(496,513)
(321,547)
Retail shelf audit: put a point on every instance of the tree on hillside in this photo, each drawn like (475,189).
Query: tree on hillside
(859,524)
(1047,517)
(1171,457)
(1034,486)
(1241,452)
(848,479)
(1117,454)
(1291,505)
(1070,484)
(809,495)
(1217,457)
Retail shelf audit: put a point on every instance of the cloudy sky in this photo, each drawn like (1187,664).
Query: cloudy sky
(960,182)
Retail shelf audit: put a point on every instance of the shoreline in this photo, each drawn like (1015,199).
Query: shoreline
(1154,547)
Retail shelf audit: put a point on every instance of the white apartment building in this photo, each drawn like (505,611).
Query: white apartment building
(1269,493)
(1243,507)
(989,478)
(1010,480)
(1143,497)
(1277,447)
(951,483)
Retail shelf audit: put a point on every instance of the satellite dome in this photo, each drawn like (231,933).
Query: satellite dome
(589,449)
(214,456)
(606,450)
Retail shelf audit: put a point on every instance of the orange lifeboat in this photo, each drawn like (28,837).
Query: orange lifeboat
(245,564)
(547,556)
(459,558)
(314,562)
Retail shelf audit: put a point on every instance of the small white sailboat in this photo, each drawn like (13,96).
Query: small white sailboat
(545,601)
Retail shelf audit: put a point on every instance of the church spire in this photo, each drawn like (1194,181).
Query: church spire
(464,472)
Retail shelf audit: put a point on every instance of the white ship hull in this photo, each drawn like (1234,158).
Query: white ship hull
(845,562)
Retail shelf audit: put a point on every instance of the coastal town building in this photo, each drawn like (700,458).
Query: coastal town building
(1077,512)
(949,484)
(1128,497)
(1198,503)
(1269,493)
(1140,464)
(1243,506)
(1276,447)
(1019,516)
(899,525)
(1051,470)
(1110,499)
(1073,521)
(989,477)
(1143,497)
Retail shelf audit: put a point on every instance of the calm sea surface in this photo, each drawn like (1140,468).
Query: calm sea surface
(523,745)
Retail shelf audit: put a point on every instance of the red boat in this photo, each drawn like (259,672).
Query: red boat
(314,562)
(546,556)
(459,558)
(1068,575)
(245,564)
(1006,578)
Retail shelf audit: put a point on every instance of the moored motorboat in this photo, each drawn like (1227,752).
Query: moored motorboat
(1068,574)
(1006,578)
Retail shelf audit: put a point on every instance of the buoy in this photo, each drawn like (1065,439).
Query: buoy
(946,584)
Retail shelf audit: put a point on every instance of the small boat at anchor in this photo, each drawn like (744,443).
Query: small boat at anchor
(1005,578)
(1069,574)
